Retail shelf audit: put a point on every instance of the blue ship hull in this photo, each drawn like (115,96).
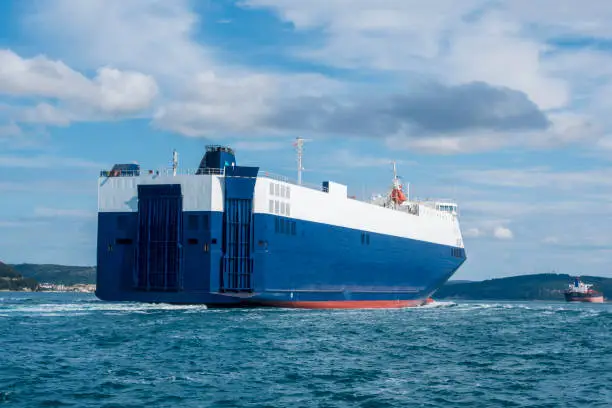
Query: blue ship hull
(295,263)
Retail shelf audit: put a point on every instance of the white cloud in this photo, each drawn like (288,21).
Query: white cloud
(551,240)
(213,102)
(74,187)
(539,177)
(148,36)
(258,145)
(502,233)
(563,17)
(45,212)
(488,229)
(442,41)
(502,43)
(9,130)
(383,35)
(348,159)
(500,47)
(47,162)
(45,114)
(111,91)
(433,39)
(473,233)
(236,101)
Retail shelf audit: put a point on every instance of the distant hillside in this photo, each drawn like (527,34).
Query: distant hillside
(58,274)
(10,279)
(548,286)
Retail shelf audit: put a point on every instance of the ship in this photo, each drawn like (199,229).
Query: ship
(227,235)
(579,291)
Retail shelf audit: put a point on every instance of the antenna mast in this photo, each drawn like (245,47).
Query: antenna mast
(299,147)
(174,162)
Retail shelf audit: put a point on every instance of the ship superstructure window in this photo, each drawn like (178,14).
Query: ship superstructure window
(288,192)
(458,252)
(276,207)
(271,188)
(271,208)
(288,209)
(282,207)
(284,226)
(282,191)
(276,189)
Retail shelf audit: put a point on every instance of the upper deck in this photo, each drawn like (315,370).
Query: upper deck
(191,176)
(203,190)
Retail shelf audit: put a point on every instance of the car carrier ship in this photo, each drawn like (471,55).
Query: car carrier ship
(226,235)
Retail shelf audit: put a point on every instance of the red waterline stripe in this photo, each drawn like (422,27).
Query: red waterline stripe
(352,304)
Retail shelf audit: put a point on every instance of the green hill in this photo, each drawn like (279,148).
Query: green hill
(10,279)
(58,274)
(547,286)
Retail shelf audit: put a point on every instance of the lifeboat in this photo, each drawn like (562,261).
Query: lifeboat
(397,195)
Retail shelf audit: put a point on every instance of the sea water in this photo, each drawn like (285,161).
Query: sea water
(60,349)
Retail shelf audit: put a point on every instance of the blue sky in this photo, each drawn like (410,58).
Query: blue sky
(502,106)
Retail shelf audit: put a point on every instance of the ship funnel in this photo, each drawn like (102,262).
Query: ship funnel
(217,157)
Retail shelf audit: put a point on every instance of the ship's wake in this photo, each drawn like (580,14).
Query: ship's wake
(438,304)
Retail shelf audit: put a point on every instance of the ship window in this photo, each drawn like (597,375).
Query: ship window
(271,205)
(287,209)
(293,228)
(192,241)
(192,222)
(282,190)
(276,189)
(123,241)
(271,188)
(288,192)
(282,205)
(276,225)
(276,206)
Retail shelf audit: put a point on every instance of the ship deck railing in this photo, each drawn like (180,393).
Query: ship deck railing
(427,202)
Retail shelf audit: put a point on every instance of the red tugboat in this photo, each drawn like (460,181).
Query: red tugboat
(582,292)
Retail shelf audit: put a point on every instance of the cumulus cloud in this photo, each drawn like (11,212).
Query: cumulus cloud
(111,91)
(46,212)
(9,130)
(536,177)
(432,109)
(47,162)
(502,233)
(473,233)
(490,80)
(236,101)
(154,37)
(487,231)
(508,44)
